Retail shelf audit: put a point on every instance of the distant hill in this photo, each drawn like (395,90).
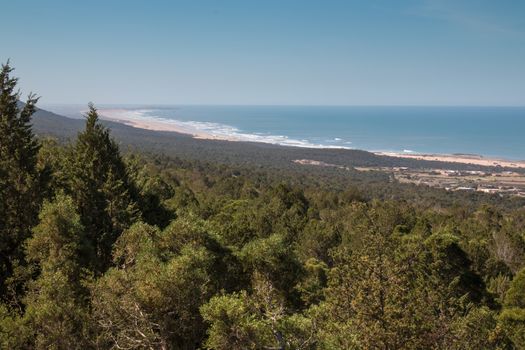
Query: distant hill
(47,123)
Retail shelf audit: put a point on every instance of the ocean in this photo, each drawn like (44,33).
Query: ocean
(487,131)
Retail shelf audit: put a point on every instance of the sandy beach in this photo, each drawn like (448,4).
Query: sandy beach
(136,120)
(458,158)
(199,130)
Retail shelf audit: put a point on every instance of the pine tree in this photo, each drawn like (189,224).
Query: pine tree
(19,178)
(101,188)
(56,309)
(512,318)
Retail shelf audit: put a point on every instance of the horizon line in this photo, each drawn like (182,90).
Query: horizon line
(278,105)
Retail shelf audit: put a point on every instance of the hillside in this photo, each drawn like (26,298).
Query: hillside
(239,153)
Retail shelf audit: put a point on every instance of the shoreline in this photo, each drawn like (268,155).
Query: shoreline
(459,158)
(123,116)
(137,120)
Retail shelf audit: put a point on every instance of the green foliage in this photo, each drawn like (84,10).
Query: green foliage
(153,192)
(56,309)
(311,287)
(148,251)
(273,258)
(234,323)
(453,268)
(152,298)
(20,180)
(512,317)
(379,292)
(479,330)
(257,321)
(101,188)
(14,333)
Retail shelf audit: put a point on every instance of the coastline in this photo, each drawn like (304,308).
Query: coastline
(137,120)
(458,158)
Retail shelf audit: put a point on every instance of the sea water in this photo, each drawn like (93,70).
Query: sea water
(487,131)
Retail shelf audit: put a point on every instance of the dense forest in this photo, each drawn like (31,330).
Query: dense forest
(108,249)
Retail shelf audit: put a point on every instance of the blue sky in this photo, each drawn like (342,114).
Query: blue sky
(405,52)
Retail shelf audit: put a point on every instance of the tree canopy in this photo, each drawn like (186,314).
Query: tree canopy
(105,249)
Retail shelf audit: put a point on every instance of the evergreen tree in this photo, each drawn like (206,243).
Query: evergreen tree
(153,192)
(399,290)
(151,299)
(19,178)
(256,321)
(56,304)
(512,317)
(101,188)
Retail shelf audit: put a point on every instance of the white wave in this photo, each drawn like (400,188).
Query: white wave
(207,129)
